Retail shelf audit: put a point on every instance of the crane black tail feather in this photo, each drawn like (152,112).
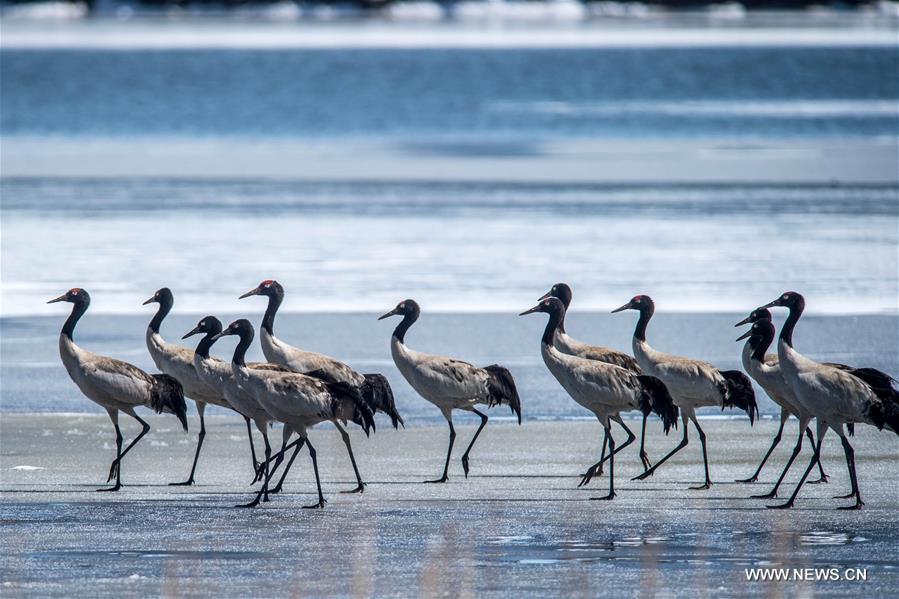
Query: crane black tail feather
(378,395)
(739,393)
(167,395)
(362,413)
(884,413)
(656,398)
(501,389)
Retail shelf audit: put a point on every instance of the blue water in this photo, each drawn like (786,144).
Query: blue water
(453,93)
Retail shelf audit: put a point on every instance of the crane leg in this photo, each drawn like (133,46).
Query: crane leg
(680,446)
(262,495)
(784,415)
(705,459)
(798,447)
(612,452)
(201,409)
(114,469)
(853,476)
(473,439)
(360,486)
(449,451)
(822,429)
(256,464)
(823,478)
(321,498)
(644,457)
(114,416)
(596,469)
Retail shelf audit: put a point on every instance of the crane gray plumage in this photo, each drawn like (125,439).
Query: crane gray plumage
(604,389)
(115,385)
(374,388)
(765,369)
(566,344)
(692,383)
(833,395)
(220,375)
(178,362)
(448,383)
(296,400)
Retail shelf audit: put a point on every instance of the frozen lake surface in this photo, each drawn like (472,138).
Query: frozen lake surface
(516,525)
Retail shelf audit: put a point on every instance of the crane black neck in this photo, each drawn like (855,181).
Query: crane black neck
(759,346)
(165,306)
(561,325)
(240,352)
(78,310)
(786,331)
(204,345)
(408,320)
(646,313)
(274,302)
(556,318)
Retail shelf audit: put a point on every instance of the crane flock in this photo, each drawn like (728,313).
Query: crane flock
(300,388)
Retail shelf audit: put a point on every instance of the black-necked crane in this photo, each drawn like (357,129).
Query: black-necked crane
(373,388)
(177,361)
(834,396)
(568,345)
(604,389)
(115,385)
(219,375)
(298,401)
(448,383)
(765,369)
(692,383)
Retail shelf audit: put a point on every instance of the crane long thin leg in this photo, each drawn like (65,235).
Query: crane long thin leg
(705,459)
(612,452)
(256,464)
(201,409)
(823,478)
(853,475)
(822,429)
(680,446)
(449,451)
(114,416)
(644,457)
(318,482)
(117,464)
(473,439)
(784,415)
(263,490)
(298,445)
(360,486)
(596,468)
(796,449)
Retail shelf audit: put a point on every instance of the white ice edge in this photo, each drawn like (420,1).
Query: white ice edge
(273,37)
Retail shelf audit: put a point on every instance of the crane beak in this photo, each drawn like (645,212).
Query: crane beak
(61,298)
(218,336)
(255,291)
(745,335)
(192,332)
(149,301)
(393,312)
(742,322)
(544,296)
(626,306)
(532,310)
(772,304)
